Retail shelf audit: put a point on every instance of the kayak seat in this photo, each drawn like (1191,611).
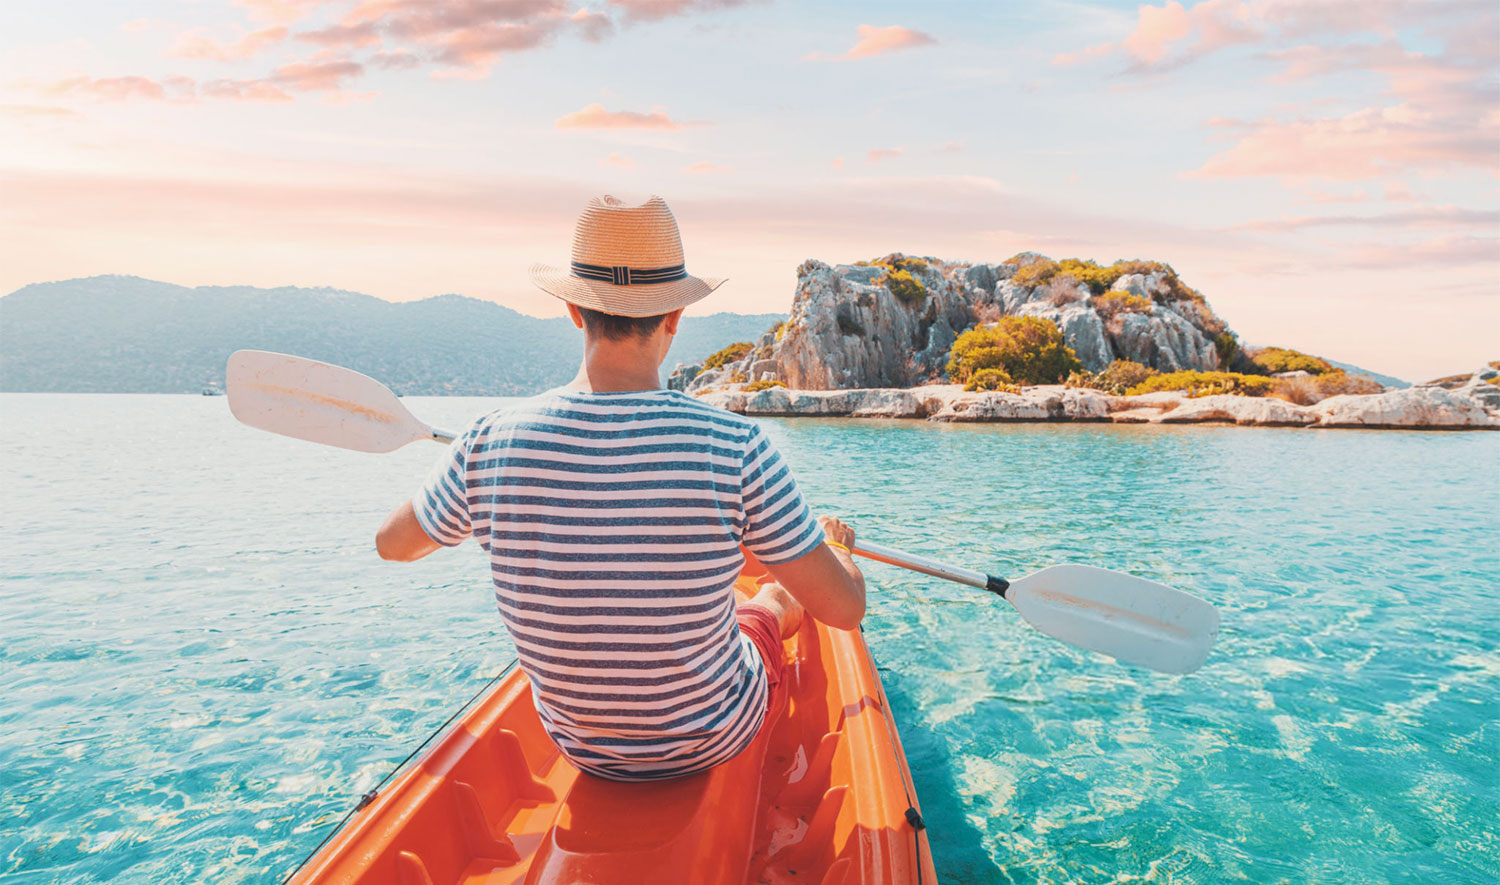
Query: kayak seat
(612,832)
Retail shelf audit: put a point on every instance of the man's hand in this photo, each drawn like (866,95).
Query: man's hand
(837,531)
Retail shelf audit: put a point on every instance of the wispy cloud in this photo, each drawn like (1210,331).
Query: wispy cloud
(35,111)
(1449,250)
(123,88)
(466,36)
(655,10)
(617,161)
(595,116)
(876,155)
(875,41)
(706,168)
(197,44)
(1365,144)
(329,76)
(1413,219)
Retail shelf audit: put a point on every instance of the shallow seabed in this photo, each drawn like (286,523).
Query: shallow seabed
(203,663)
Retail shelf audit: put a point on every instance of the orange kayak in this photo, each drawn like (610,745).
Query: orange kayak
(822,796)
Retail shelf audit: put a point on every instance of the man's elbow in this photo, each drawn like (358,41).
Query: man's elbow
(851,613)
(389,550)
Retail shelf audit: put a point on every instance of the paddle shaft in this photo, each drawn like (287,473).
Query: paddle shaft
(892,556)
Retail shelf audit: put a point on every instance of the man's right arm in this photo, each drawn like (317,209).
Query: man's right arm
(825,579)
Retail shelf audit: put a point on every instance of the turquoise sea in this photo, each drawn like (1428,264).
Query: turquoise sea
(203,663)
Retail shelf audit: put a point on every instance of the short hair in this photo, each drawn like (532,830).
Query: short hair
(616,327)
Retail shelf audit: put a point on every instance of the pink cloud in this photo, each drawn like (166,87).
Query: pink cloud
(592,26)
(876,155)
(875,41)
(838,162)
(281,11)
(356,36)
(111,88)
(197,44)
(472,34)
(706,168)
(173,88)
(242,90)
(617,161)
(1175,33)
(395,60)
(1368,143)
(35,111)
(1449,250)
(316,75)
(655,10)
(1413,219)
(594,116)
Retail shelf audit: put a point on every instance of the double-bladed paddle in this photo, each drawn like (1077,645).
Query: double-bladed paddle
(1131,619)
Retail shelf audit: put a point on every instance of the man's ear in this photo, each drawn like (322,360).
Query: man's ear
(574,314)
(671,321)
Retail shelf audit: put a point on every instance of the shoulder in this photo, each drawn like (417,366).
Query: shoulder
(691,405)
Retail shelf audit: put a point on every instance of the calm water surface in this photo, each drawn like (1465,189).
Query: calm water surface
(203,663)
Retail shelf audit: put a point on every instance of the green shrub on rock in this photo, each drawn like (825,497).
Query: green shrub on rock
(732,353)
(991,379)
(904,286)
(763,384)
(1282,359)
(1118,377)
(1111,303)
(1028,349)
(1196,384)
(1037,273)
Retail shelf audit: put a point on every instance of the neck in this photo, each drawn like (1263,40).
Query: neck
(618,366)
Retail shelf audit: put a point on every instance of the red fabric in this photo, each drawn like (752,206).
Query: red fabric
(758,623)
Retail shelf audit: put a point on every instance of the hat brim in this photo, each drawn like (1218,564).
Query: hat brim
(649,300)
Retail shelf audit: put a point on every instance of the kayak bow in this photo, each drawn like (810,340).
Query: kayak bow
(823,795)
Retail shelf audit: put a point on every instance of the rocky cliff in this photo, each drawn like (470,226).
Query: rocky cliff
(891,322)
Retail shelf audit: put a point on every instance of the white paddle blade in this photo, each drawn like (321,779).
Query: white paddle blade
(318,402)
(1131,619)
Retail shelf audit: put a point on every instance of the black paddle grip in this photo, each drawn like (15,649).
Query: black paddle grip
(995,585)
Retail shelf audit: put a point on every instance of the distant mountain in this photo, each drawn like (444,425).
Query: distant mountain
(1387,380)
(118,334)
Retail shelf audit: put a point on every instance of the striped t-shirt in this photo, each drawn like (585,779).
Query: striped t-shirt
(614,522)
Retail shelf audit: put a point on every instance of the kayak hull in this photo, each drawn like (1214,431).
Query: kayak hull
(822,795)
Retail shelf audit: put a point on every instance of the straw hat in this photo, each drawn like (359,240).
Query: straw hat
(627,260)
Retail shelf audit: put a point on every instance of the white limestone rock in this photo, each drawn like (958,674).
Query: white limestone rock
(1411,407)
(1228,409)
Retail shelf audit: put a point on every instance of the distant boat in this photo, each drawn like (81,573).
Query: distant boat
(211,390)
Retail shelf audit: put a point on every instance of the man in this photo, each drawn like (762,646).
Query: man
(614,513)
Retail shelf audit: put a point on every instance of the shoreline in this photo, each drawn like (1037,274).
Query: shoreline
(1414,408)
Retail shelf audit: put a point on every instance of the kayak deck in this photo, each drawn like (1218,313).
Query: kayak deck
(821,796)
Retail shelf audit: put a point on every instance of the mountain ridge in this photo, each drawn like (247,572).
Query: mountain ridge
(126,334)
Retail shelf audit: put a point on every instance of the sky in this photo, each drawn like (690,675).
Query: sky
(1326,172)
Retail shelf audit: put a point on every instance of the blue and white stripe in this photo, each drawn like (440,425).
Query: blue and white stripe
(614,524)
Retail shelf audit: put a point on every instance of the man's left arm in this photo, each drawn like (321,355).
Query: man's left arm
(436,516)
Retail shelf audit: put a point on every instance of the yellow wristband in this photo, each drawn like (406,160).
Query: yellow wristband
(840,546)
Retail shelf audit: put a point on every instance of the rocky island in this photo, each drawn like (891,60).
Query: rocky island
(1033,339)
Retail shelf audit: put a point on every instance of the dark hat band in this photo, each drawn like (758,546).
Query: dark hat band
(621,275)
